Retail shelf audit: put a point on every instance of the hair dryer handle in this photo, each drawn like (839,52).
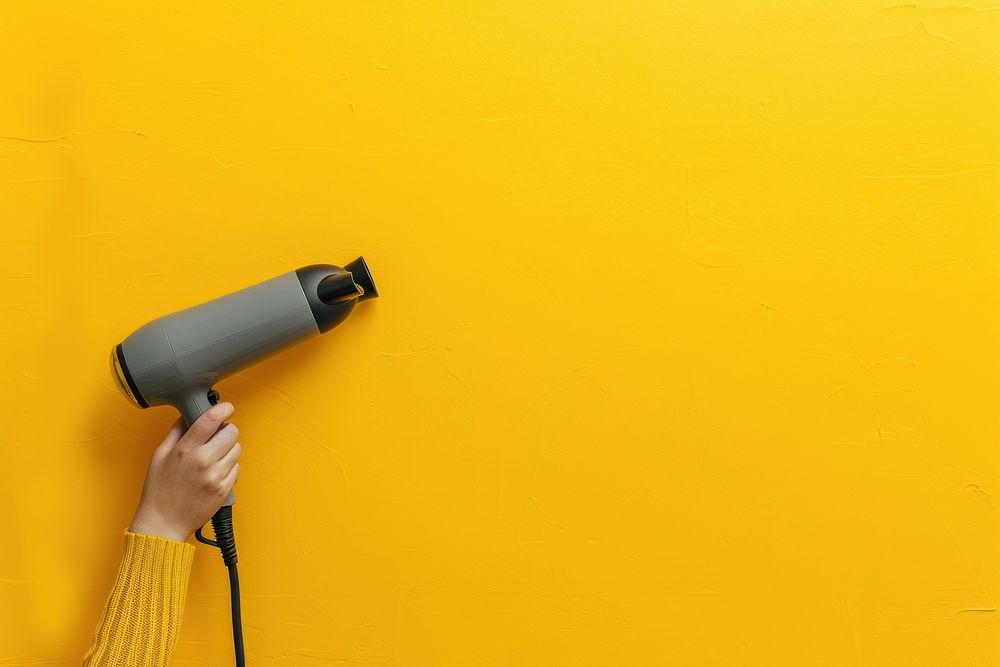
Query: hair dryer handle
(194,405)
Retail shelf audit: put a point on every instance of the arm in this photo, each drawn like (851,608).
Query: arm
(189,477)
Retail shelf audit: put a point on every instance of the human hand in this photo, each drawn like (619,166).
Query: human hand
(189,476)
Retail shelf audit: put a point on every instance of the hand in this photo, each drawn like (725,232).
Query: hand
(189,476)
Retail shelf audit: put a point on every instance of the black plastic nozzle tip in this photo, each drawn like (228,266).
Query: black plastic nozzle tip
(363,277)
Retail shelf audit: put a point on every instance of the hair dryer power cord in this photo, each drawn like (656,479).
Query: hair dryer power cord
(225,540)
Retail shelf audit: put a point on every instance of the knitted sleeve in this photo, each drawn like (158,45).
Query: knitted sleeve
(142,619)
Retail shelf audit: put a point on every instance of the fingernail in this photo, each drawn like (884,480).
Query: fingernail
(221,411)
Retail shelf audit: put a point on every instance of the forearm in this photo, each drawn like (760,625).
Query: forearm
(142,618)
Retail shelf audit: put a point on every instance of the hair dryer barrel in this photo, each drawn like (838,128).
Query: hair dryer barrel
(177,358)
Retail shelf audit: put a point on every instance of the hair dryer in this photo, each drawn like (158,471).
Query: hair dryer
(176,359)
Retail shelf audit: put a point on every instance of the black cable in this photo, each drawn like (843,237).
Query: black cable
(225,540)
(204,540)
(234,601)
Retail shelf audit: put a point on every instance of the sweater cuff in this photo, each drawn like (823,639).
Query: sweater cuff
(172,559)
(142,620)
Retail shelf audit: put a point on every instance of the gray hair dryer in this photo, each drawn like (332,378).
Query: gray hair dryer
(176,359)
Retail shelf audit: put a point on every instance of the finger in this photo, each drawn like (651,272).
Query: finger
(206,425)
(229,481)
(173,435)
(220,444)
(227,462)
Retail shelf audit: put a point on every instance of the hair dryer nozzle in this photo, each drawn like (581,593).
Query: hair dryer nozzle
(363,277)
(333,291)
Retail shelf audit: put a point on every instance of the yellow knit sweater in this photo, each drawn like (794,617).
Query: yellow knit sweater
(142,618)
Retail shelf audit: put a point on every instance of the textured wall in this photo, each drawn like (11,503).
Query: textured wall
(688,349)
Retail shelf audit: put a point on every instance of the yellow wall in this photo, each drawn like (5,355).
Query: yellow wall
(687,351)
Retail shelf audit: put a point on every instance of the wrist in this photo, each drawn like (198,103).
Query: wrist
(149,522)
